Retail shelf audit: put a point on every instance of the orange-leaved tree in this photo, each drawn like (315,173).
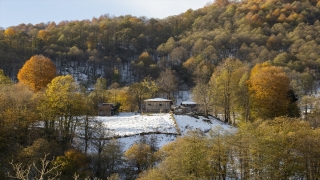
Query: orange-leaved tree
(269,88)
(37,72)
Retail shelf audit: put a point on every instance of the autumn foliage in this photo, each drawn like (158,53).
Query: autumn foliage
(37,72)
(269,88)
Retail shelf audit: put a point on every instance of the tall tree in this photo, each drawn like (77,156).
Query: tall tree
(37,72)
(61,108)
(10,33)
(167,83)
(17,117)
(99,93)
(201,92)
(269,89)
(225,85)
(111,158)
(243,96)
(143,90)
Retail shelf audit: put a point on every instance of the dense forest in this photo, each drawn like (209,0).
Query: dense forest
(252,63)
(283,32)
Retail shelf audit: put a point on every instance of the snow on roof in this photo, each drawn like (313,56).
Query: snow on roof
(157,99)
(188,102)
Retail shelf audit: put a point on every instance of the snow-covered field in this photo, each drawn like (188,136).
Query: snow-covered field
(130,124)
(187,123)
(127,127)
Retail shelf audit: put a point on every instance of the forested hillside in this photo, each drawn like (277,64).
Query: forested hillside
(253,64)
(283,32)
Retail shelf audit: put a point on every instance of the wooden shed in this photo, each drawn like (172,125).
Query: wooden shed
(105,109)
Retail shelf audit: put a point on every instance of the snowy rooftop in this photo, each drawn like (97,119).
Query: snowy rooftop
(157,99)
(188,102)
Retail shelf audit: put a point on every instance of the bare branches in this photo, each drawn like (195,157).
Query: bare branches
(21,172)
(43,172)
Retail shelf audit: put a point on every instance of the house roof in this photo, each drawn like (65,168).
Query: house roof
(188,102)
(158,100)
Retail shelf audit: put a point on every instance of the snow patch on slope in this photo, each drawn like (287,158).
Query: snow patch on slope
(136,124)
(127,127)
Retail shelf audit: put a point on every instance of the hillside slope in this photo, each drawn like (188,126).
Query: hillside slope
(127,127)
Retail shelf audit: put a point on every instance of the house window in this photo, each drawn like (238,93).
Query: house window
(149,104)
(160,104)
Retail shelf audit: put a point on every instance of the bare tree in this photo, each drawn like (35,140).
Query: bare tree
(167,83)
(201,92)
(99,141)
(45,171)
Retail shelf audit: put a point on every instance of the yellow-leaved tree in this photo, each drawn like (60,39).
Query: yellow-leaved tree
(61,109)
(10,33)
(139,155)
(37,72)
(4,79)
(269,89)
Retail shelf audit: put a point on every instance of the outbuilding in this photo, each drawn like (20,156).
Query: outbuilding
(105,109)
(189,106)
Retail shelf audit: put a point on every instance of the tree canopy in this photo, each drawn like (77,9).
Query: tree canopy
(283,32)
(37,72)
(269,89)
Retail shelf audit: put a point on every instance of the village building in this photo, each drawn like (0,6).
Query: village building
(156,105)
(105,109)
(189,104)
(186,107)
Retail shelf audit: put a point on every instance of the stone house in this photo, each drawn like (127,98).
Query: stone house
(189,106)
(156,105)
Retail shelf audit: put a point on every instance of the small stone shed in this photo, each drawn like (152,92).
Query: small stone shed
(156,105)
(190,104)
(186,107)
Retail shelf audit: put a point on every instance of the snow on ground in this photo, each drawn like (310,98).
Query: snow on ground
(126,124)
(129,126)
(161,139)
(187,123)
